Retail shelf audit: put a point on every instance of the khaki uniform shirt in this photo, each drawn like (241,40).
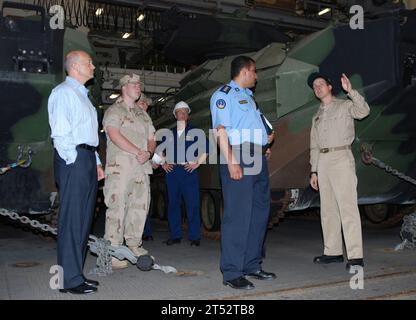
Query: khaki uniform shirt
(135,125)
(333,124)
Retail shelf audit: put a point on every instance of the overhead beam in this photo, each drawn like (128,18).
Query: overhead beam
(227,8)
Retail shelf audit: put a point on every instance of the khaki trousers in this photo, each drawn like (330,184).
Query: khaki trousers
(339,209)
(127,196)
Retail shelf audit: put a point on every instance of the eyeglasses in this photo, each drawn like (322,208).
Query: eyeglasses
(89,62)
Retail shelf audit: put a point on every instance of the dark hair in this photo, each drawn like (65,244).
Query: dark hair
(239,63)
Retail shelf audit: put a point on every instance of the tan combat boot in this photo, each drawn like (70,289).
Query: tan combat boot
(138,251)
(118,264)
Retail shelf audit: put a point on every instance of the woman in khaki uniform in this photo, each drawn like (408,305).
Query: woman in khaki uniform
(333,167)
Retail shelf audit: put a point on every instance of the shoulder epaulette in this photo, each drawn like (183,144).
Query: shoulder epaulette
(225,89)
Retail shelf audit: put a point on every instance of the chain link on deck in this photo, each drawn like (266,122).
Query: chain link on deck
(104,266)
(98,246)
(408,233)
(101,247)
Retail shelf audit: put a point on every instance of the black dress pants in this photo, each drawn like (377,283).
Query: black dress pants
(77,186)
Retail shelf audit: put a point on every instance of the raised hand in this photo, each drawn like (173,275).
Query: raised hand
(346,84)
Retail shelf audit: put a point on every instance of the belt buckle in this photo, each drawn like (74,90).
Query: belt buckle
(324,150)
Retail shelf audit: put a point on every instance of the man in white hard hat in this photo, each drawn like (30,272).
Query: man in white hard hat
(182,176)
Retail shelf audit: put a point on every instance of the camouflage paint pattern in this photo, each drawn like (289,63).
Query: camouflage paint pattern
(27,45)
(373,58)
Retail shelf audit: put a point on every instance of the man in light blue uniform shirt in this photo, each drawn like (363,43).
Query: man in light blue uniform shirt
(77,168)
(243,140)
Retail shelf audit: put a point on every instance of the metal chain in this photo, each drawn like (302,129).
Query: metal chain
(408,232)
(100,246)
(393,171)
(367,158)
(22,163)
(25,220)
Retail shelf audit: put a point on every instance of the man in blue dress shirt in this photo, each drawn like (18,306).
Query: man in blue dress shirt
(243,139)
(77,168)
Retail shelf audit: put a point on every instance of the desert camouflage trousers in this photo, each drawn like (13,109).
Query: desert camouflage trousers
(127,196)
(339,209)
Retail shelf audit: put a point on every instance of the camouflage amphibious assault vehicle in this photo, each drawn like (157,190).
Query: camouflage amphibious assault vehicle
(31,64)
(380,60)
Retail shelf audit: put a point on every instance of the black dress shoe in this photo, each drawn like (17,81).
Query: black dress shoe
(169,242)
(81,289)
(239,283)
(147,238)
(354,262)
(324,259)
(195,243)
(91,282)
(262,275)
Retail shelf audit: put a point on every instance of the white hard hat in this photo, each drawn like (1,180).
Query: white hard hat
(181,105)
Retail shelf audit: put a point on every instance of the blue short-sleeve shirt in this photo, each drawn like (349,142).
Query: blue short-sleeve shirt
(234,108)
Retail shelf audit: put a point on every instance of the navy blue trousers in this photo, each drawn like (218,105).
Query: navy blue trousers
(77,186)
(244,223)
(147,231)
(182,183)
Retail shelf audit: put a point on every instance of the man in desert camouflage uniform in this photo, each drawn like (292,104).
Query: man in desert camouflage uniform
(130,145)
(333,168)
(144,102)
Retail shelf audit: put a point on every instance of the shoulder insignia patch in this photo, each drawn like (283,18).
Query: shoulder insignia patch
(220,103)
(225,89)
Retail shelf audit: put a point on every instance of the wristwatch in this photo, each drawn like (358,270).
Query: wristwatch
(313,172)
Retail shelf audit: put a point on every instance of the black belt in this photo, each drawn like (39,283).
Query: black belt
(254,146)
(87,146)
